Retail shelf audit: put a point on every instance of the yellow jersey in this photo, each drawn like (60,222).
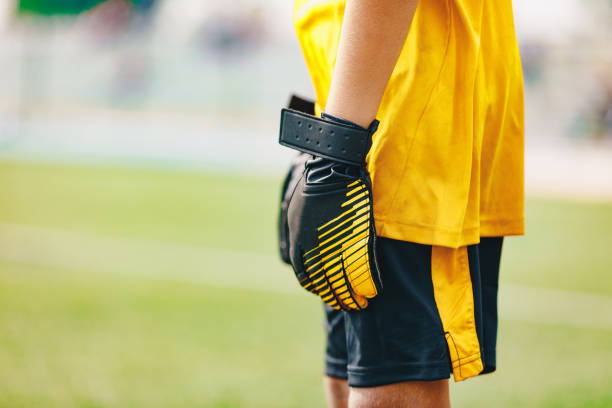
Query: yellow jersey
(447,160)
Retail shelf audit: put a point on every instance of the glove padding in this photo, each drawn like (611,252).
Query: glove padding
(296,170)
(330,226)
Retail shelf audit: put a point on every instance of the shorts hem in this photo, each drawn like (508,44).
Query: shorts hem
(337,375)
(489,361)
(378,376)
(335,369)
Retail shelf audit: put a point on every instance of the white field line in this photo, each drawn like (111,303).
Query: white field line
(150,259)
(80,251)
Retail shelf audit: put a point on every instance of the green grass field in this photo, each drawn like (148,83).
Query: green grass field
(151,288)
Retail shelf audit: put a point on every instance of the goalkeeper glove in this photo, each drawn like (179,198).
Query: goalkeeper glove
(330,237)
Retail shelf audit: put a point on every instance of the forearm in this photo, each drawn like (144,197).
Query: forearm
(372,36)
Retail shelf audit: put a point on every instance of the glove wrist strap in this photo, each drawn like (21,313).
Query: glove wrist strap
(332,140)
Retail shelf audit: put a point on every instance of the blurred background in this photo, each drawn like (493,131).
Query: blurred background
(139,179)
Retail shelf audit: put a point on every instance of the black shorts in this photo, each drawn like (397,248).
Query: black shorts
(436,315)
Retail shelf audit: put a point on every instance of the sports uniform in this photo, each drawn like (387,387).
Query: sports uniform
(446,168)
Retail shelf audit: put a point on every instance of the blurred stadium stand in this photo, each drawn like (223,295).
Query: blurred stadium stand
(197,84)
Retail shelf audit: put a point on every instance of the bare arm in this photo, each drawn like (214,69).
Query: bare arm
(372,36)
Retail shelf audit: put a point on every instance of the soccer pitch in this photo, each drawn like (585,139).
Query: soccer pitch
(131,287)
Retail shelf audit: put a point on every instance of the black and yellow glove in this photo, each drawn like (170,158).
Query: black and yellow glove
(330,238)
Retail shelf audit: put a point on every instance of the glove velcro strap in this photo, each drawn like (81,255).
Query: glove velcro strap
(335,141)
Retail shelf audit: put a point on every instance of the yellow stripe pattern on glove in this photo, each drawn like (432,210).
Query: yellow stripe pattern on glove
(338,268)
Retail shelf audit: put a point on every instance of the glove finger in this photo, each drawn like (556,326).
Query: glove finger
(358,253)
(361,301)
(345,295)
(329,281)
(356,263)
(321,285)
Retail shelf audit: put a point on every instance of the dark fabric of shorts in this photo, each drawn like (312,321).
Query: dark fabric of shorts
(400,336)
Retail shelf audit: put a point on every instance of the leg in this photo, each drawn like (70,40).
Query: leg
(413,394)
(336,392)
(335,382)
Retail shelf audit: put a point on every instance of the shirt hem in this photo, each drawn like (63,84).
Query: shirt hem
(432,235)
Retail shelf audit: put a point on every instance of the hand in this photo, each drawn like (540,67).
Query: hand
(331,234)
